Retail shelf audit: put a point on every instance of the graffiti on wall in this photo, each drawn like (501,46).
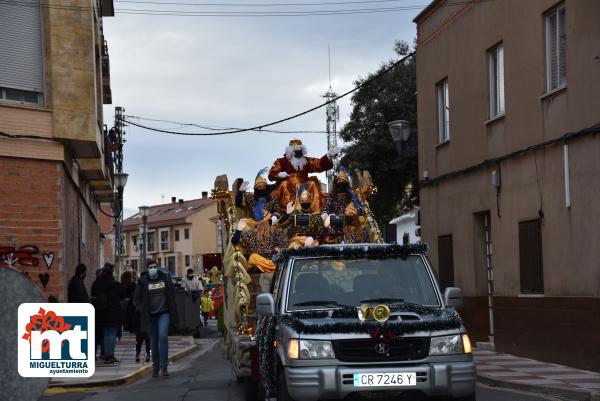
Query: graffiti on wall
(26,256)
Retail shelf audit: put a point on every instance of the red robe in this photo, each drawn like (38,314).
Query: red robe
(286,190)
(313,165)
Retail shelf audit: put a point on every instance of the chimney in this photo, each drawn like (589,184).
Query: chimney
(181,201)
(173,199)
(204,195)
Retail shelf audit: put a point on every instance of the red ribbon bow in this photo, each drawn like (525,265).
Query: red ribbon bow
(387,336)
(44,321)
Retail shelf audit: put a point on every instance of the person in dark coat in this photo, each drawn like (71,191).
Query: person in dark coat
(94,301)
(77,291)
(109,314)
(154,298)
(132,315)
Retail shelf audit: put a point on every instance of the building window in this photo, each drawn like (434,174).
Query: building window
(171,264)
(151,246)
(186,233)
(164,240)
(530,257)
(21,64)
(496,65)
(445,261)
(556,48)
(159,262)
(176,235)
(443,106)
(134,264)
(187,260)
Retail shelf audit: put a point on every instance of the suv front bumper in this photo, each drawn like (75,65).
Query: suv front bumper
(456,379)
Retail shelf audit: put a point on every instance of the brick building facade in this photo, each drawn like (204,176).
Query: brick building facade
(55,159)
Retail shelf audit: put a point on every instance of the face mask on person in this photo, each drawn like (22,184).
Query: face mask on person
(153,272)
(260,193)
(298,154)
(305,206)
(190,276)
(341,187)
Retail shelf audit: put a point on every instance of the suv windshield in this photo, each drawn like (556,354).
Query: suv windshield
(330,283)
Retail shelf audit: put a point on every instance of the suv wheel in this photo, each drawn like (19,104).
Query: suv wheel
(470,397)
(282,391)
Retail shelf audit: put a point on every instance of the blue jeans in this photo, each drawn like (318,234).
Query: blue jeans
(159,339)
(110,338)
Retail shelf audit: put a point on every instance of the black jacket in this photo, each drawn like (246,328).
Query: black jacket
(77,291)
(107,294)
(141,302)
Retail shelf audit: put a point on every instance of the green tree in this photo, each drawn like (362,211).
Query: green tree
(390,97)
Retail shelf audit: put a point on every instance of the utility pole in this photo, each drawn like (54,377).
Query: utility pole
(119,181)
(332,112)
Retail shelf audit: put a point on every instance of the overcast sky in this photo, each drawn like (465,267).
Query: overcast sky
(233,72)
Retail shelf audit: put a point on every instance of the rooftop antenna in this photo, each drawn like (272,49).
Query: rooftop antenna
(332,112)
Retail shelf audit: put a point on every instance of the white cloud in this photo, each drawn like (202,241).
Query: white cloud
(232,73)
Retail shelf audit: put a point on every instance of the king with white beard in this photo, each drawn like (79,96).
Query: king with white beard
(293,169)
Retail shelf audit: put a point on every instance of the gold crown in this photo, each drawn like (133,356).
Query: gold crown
(295,142)
(260,182)
(342,176)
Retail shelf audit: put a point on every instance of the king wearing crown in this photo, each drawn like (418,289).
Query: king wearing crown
(293,169)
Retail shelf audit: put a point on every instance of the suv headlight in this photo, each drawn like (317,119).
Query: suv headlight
(310,349)
(446,345)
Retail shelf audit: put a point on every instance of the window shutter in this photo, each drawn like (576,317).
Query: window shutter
(21,46)
(562,47)
(553,47)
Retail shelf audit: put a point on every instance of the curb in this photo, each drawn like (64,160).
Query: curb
(579,395)
(128,379)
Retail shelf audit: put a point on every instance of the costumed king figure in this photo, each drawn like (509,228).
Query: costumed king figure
(343,202)
(292,170)
(259,238)
(248,202)
(302,234)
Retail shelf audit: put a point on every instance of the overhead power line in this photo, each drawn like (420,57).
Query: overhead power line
(221,13)
(257,4)
(263,126)
(183,125)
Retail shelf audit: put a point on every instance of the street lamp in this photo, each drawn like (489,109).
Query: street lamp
(400,131)
(144,212)
(119,179)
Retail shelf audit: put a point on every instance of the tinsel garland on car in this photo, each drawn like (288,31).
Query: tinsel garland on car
(434,318)
(353,252)
(265,338)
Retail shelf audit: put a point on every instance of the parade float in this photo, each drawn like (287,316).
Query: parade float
(292,211)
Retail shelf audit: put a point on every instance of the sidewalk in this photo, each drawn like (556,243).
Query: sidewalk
(127,370)
(510,371)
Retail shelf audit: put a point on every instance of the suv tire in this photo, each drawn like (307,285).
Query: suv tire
(282,391)
(470,397)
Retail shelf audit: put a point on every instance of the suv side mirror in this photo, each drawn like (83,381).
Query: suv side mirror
(265,305)
(453,297)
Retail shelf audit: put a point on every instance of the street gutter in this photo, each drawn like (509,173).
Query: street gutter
(128,379)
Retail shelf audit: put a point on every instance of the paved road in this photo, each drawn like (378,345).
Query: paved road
(209,378)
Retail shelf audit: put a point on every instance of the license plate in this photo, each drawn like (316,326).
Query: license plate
(384,379)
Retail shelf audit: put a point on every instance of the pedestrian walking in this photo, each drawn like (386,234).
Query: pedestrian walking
(155,299)
(76,291)
(206,305)
(108,294)
(132,315)
(191,283)
(96,302)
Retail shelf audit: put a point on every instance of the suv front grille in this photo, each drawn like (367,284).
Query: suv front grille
(364,350)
